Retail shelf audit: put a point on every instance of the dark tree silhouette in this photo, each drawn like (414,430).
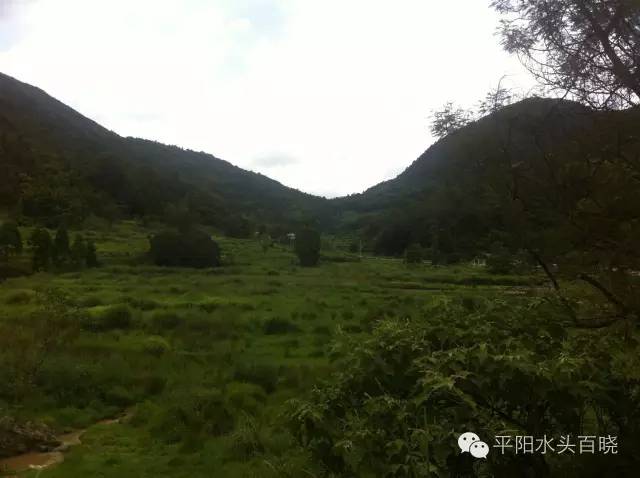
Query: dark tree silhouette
(41,246)
(589,49)
(307,247)
(92,255)
(449,119)
(10,240)
(61,251)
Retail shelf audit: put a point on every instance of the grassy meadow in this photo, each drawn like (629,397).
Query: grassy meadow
(204,362)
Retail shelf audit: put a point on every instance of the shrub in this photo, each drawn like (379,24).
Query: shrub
(447,373)
(114,317)
(61,251)
(10,240)
(499,261)
(165,320)
(245,439)
(193,416)
(192,248)
(307,247)
(19,297)
(263,374)
(90,301)
(413,254)
(246,397)
(142,304)
(156,346)
(41,245)
(119,396)
(209,306)
(322,330)
(276,326)
(91,258)
(153,384)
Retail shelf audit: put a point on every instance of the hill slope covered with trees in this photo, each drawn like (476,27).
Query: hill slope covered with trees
(57,164)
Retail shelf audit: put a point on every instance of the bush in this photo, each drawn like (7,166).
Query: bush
(10,240)
(192,417)
(184,249)
(307,247)
(90,301)
(115,317)
(276,326)
(19,297)
(263,374)
(245,397)
(456,371)
(500,260)
(142,304)
(165,320)
(119,396)
(413,254)
(156,346)
(245,439)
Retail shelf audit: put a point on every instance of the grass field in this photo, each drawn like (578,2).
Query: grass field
(205,360)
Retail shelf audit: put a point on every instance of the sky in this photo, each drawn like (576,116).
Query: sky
(330,97)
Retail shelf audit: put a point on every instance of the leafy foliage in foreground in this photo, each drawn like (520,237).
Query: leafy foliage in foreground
(412,387)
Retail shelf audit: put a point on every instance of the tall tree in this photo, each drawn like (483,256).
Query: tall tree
(589,49)
(61,250)
(92,255)
(449,119)
(41,246)
(307,246)
(79,251)
(10,240)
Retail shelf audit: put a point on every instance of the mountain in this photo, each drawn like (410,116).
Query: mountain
(558,161)
(456,197)
(56,163)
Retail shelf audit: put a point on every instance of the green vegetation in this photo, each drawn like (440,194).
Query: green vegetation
(307,247)
(514,312)
(190,248)
(216,365)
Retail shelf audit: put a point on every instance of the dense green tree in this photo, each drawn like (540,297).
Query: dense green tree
(79,251)
(238,227)
(10,240)
(307,246)
(413,254)
(92,255)
(41,246)
(193,248)
(499,259)
(180,216)
(61,251)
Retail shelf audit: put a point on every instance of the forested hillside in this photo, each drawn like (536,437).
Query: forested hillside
(452,198)
(57,164)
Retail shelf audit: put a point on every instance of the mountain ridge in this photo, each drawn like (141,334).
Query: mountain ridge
(36,129)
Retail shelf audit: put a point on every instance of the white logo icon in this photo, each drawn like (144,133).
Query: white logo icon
(470,443)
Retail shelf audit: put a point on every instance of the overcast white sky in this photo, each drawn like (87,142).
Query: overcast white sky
(327,96)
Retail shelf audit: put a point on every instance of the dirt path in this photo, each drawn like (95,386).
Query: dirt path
(41,460)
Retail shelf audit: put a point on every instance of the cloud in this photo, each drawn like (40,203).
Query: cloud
(275,160)
(12,19)
(343,87)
